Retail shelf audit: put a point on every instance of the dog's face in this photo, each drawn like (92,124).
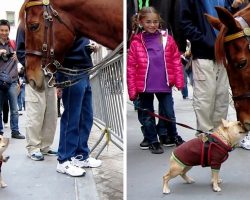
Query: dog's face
(234,131)
(3,144)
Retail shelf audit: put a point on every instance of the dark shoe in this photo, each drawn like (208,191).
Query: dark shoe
(144,145)
(167,141)
(178,140)
(50,153)
(156,148)
(59,115)
(1,133)
(17,135)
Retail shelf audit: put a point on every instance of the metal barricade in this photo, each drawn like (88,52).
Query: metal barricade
(107,90)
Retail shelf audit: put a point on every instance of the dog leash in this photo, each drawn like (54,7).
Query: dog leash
(167,120)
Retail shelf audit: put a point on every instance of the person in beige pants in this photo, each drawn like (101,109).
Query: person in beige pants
(41,112)
(41,121)
(210,86)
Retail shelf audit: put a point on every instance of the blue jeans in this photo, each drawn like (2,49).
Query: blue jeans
(76,121)
(187,75)
(21,98)
(12,96)
(166,109)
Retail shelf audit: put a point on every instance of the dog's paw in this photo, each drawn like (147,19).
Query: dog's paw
(166,191)
(216,189)
(3,184)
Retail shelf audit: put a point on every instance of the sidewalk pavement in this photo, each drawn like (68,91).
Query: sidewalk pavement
(145,170)
(38,180)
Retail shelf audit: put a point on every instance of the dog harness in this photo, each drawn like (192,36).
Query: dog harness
(212,152)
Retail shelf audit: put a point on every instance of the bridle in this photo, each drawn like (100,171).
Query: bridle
(48,55)
(244,33)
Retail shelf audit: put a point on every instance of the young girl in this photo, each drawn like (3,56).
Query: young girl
(154,67)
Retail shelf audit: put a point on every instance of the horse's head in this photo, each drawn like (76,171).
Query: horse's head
(233,49)
(48,35)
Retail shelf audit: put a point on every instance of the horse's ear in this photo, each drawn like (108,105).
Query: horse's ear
(215,22)
(226,17)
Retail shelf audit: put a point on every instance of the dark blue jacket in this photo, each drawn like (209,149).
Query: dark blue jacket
(195,27)
(79,54)
(20,46)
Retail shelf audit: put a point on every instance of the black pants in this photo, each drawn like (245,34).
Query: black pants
(5,110)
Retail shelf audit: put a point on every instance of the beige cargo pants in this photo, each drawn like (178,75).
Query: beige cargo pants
(41,112)
(211,96)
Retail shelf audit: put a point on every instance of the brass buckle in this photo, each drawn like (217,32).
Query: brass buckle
(45,2)
(246,31)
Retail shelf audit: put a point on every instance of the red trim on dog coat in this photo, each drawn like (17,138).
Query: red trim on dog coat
(191,153)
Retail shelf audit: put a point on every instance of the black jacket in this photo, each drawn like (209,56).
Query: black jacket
(8,64)
(196,28)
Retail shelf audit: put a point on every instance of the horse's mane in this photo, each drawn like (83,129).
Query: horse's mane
(219,45)
(22,14)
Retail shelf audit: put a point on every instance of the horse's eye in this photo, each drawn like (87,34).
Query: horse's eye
(240,64)
(33,27)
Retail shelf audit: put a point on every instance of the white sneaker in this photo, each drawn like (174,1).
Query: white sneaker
(245,143)
(89,162)
(6,125)
(67,168)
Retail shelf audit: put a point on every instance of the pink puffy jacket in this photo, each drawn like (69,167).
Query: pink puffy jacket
(138,62)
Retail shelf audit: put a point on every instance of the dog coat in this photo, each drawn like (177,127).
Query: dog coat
(212,153)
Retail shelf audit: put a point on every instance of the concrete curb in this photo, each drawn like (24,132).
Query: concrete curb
(83,188)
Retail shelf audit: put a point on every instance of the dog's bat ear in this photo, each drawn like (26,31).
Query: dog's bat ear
(225,123)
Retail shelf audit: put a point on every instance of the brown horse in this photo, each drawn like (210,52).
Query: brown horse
(232,47)
(51,27)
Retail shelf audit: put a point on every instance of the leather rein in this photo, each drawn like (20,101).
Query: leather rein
(48,55)
(244,33)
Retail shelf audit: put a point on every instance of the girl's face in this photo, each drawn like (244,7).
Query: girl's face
(150,22)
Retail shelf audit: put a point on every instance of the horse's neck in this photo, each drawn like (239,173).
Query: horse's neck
(99,20)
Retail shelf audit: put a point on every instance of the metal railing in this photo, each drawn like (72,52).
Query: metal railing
(107,90)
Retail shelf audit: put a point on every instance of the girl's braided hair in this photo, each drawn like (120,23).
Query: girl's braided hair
(136,28)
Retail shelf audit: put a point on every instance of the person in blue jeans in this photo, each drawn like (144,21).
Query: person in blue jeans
(8,64)
(77,118)
(21,96)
